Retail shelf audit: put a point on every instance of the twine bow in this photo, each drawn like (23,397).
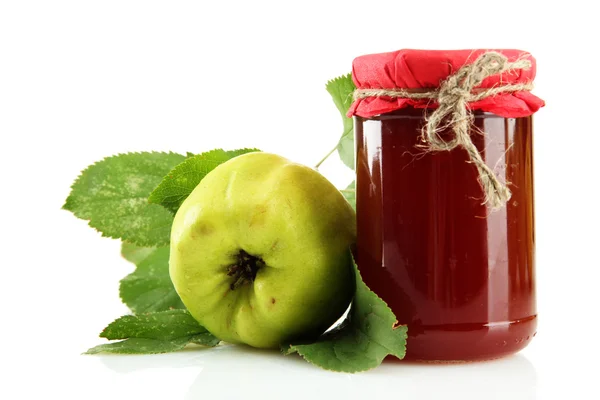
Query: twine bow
(453,97)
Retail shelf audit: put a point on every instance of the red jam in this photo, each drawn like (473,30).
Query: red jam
(460,275)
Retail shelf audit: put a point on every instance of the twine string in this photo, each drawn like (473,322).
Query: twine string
(453,111)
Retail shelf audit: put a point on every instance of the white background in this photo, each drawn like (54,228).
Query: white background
(81,80)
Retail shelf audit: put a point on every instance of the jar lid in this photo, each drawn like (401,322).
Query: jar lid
(391,81)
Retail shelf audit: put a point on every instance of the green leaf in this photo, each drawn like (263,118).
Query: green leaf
(113,195)
(149,287)
(364,339)
(350,194)
(341,90)
(180,182)
(152,333)
(134,253)
(140,346)
(163,325)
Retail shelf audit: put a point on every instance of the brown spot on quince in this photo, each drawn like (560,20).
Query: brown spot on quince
(204,229)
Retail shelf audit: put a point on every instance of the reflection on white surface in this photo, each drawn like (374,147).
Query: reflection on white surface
(232,370)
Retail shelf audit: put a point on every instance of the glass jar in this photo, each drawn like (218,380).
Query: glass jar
(460,274)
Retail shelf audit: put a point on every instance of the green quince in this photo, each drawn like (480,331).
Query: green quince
(260,251)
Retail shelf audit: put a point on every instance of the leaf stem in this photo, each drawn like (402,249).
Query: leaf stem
(326,156)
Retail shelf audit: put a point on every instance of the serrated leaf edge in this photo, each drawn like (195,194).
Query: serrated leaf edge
(153,197)
(65,205)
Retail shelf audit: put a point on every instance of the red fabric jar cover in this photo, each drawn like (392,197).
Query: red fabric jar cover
(426,69)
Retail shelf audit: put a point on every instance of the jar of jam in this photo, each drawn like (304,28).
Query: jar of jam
(451,255)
